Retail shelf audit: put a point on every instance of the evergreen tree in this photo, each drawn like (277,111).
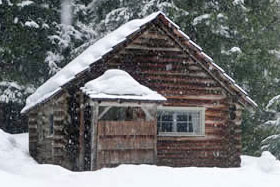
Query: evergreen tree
(271,128)
(241,36)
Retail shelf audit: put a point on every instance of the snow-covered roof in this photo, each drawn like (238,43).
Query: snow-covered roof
(118,84)
(84,60)
(100,48)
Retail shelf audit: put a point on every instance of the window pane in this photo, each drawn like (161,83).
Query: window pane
(166,116)
(166,126)
(51,124)
(183,117)
(184,127)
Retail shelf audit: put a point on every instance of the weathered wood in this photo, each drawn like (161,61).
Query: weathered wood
(131,142)
(108,158)
(159,57)
(119,128)
(33,134)
(94,134)
(81,134)
(126,143)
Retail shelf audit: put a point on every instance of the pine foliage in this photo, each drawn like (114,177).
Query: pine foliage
(242,36)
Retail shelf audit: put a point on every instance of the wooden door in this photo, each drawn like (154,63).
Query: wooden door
(126,142)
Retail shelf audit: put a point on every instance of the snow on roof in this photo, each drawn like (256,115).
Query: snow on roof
(195,45)
(207,57)
(218,67)
(118,84)
(241,89)
(95,53)
(82,62)
(228,77)
(251,100)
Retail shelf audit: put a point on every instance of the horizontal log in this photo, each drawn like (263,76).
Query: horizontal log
(32,119)
(60,141)
(58,127)
(218,141)
(184,79)
(217,119)
(198,139)
(153,35)
(32,126)
(184,150)
(217,112)
(159,49)
(58,146)
(174,75)
(153,59)
(200,97)
(32,122)
(155,42)
(141,53)
(150,57)
(193,102)
(183,86)
(214,131)
(57,137)
(215,123)
(207,105)
(194,67)
(186,91)
(173,72)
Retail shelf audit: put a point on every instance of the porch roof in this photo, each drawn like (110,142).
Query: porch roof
(117,84)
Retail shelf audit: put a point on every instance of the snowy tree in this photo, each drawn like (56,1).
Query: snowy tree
(272,141)
(241,36)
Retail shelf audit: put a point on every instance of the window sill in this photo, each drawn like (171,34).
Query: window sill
(177,134)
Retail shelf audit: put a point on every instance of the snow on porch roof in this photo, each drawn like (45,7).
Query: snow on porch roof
(100,48)
(118,84)
(92,54)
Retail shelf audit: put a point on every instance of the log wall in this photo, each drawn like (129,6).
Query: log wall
(158,62)
(40,138)
(44,146)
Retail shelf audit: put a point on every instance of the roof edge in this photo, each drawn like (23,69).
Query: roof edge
(208,59)
(149,19)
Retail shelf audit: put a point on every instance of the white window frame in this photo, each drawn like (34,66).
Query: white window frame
(201,110)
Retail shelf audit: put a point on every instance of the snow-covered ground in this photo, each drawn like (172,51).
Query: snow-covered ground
(18,169)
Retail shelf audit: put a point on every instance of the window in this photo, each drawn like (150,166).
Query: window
(51,124)
(187,121)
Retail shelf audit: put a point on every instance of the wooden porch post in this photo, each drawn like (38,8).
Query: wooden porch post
(94,120)
(81,134)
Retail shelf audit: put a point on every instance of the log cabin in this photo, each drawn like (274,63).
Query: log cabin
(86,118)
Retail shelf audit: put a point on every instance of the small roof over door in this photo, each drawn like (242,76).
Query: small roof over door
(117,84)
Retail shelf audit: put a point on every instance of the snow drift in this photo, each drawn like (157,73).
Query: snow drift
(17,168)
